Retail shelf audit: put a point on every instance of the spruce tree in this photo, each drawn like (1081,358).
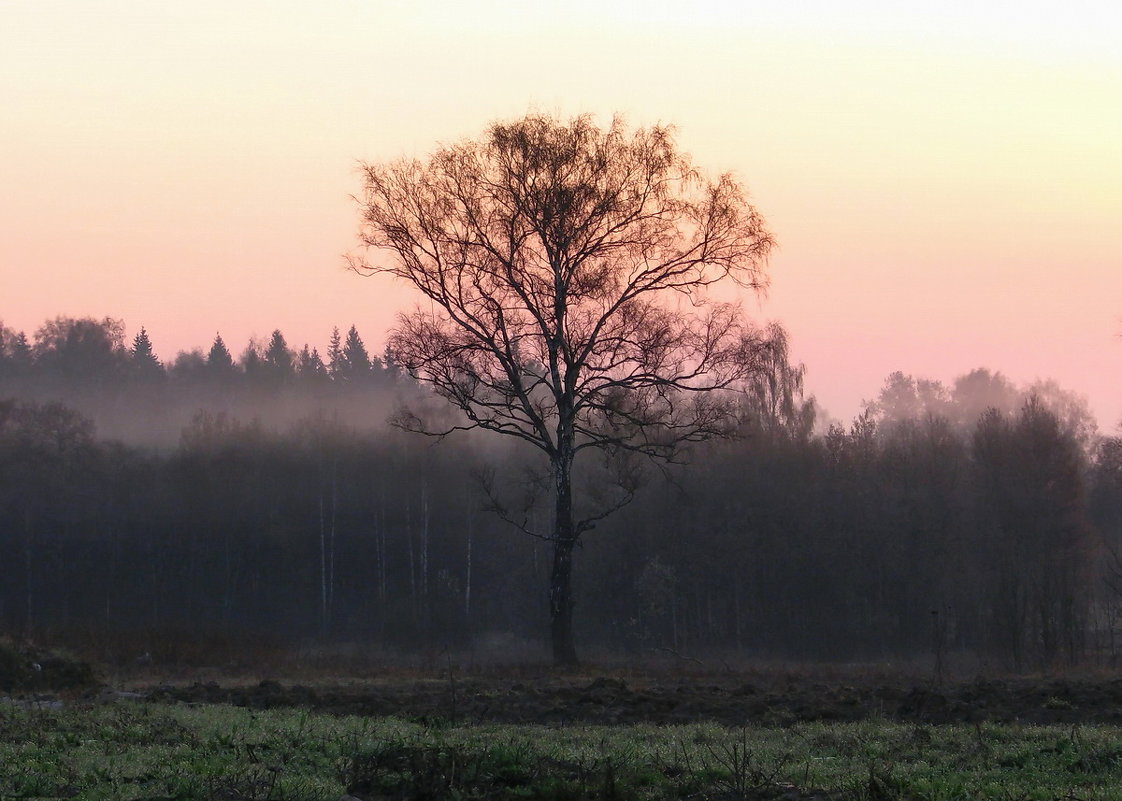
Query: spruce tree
(356,360)
(142,357)
(18,358)
(309,365)
(219,358)
(278,358)
(335,355)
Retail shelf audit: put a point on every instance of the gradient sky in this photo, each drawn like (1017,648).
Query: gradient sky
(945,181)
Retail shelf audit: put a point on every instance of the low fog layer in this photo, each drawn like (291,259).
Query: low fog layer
(134,397)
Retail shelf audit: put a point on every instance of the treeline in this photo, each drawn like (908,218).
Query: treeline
(133,395)
(978,520)
(320,530)
(87,353)
(886,539)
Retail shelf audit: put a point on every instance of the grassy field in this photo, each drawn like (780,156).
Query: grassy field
(138,750)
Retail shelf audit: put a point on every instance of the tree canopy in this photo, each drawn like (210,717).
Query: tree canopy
(567,270)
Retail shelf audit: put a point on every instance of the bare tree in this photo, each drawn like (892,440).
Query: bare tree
(566,270)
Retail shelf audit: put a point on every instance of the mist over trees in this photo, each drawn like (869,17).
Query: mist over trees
(133,395)
(979,522)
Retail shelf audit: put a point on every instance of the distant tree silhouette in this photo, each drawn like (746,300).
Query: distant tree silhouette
(19,354)
(142,358)
(45,452)
(278,360)
(189,368)
(1105,509)
(219,358)
(355,364)
(84,350)
(1071,411)
(553,255)
(1030,480)
(336,364)
(773,398)
(15,353)
(252,364)
(978,391)
(905,400)
(309,365)
(6,336)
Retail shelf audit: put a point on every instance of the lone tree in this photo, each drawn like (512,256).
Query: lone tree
(566,270)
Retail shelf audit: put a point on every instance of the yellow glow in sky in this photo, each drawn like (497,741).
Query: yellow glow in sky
(945,181)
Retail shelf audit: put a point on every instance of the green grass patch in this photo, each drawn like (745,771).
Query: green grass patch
(154,751)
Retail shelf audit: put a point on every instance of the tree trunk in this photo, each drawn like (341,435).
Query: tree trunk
(561,605)
(561,578)
(28,575)
(412,560)
(322,569)
(467,572)
(331,537)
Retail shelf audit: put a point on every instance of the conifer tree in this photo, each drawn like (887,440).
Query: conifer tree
(219,359)
(278,358)
(309,364)
(16,359)
(19,352)
(6,338)
(335,355)
(143,358)
(356,359)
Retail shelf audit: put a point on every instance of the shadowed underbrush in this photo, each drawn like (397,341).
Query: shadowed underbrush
(27,668)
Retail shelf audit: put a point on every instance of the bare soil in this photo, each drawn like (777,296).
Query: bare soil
(559,699)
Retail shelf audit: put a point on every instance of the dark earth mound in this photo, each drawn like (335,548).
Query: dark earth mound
(28,669)
(609,701)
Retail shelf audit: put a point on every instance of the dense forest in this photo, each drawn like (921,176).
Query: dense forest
(264,492)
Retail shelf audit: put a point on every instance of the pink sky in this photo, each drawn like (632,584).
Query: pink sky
(945,183)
